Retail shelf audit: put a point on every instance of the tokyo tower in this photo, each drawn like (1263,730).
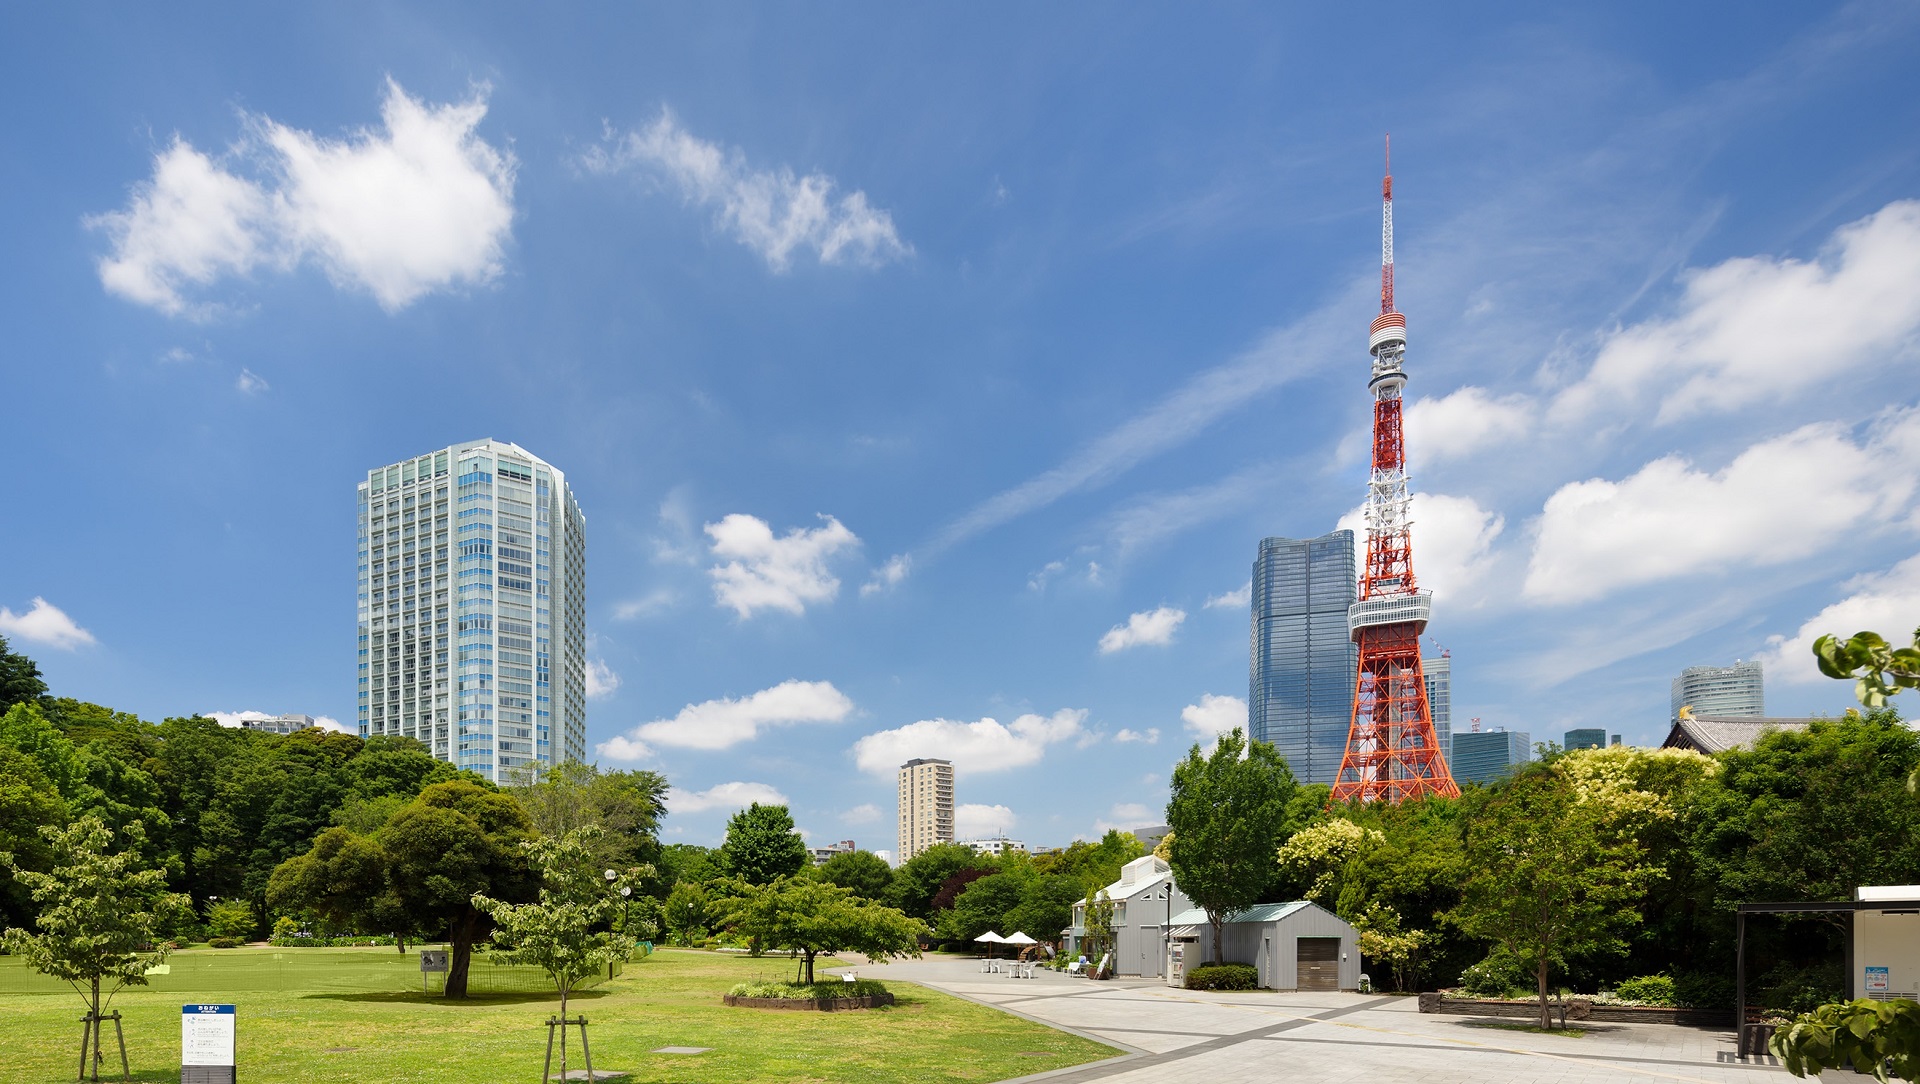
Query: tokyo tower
(1392,753)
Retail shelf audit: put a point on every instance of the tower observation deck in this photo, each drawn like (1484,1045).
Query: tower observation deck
(1392,752)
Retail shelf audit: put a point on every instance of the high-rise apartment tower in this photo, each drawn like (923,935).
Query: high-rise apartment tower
(472,608)
(1300,694)
(926,806)
(1738,690)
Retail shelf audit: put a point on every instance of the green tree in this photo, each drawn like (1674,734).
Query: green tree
(1317,856)
(626,806)
(1383,939)
(685,913)
(1878,669)
(919,879)
(812,917)
(863,873)
(345,880)
(1229,813)
(231,918)
(559,932)
(28,803)
(19,678)
(1546,880)
(1097,920)
(761,845)
(1878,1038)
(1093,865)
(96,916)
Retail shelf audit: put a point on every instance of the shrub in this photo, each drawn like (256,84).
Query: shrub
(231,918)
(1223,977)
(1495,976)
(790,991)
(1647,990)
(225,942)
(1701,990)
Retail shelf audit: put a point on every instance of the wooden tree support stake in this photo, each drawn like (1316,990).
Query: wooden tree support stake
(562,1023)
(92,1025)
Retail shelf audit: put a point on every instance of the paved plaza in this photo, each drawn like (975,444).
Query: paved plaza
(1169,1036)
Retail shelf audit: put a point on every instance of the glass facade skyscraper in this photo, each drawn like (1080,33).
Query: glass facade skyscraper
(1304,659)
(1437,672)
(472,619)
(1482,756)
(1738,690)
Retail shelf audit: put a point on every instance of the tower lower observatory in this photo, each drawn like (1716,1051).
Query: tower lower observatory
(1392,752)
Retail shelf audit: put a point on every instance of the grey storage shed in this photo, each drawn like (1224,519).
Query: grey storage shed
(1295,946)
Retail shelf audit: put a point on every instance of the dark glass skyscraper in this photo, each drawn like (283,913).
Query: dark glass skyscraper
(1304,658)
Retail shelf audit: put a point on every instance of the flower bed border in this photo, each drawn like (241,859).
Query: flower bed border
(1579,1008)
(815,1004)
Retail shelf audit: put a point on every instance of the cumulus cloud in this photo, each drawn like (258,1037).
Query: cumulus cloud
(1757,329)
(783,573)
(1463,422)
(973,821)
(1453,543)
(985,745)
(865,813)
(1232,600)
(1149,736)
(1125,817)
(725,723)
(423,204)
(1778,501)
(44,624)
(726,796)
(771,211)
(1885,602)
(1215,715)
(1146,627)
(328,722)
(602,682)
(888,576)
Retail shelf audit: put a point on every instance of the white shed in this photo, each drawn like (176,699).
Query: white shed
(1886,942)
(1295,946)
(1143,898)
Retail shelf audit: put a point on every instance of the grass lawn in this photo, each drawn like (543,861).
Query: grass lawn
(348,1015)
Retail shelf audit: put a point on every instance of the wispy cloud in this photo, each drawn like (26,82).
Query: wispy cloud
(1238,599)
(774,212)
(251,383)
(1154,627)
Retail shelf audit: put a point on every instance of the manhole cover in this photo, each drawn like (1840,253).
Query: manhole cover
(683,1050)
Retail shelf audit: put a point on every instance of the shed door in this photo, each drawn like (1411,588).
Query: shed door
(1319,963)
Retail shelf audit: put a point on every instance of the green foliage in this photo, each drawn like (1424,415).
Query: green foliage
(28,803)
(1229,813)
(224,942)
(1092,865)
(1879,669)
(231,918)
(1096,919)
(863,873)
(561,932)
(918,880)
(792,991)
(1647,990)
(626,806)
(1880,1038)
(19,678)
(1790,989)
(685,913)
(1224,977)
(1548,880)
(96,910)
(762,845)
(1383,939)
(1318,856)
(810,917)
(1499,975)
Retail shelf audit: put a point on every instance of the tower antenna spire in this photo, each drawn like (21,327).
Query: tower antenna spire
(1386,232)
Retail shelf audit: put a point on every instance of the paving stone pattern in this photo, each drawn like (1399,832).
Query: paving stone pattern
(1168,1036)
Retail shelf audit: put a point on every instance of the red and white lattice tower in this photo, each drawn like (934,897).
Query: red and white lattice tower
(1392,753)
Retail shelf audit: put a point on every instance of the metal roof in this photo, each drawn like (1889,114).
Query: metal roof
(1266,912)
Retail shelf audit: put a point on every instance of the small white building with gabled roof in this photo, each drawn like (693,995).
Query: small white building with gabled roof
(1144,898)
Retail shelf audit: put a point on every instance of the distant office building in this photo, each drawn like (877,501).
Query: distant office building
(995,847)
(472,608)
(279,724)
(1585,738)
(1437,672)
(1486,755)
(1150,835)
(821,855)
(1304,658)
(926,806)
(1720,691)
(1616,739)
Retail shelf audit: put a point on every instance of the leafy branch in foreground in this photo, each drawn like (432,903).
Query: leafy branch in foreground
(1880,1038)
(1879,669)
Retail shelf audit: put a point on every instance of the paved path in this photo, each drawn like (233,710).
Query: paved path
(1172,1036)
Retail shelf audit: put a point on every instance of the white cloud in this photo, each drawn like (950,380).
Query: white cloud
(328,722)
(985,745)
(888,575)
(233,720)
(1887,603)
(725,723)
(1757,329)
(601,680)
(46,624)
(1125,817)
(1038,580)
(727,796)
(866,813)
(422,205)
(251,383)
(772,212)
(1146,627)
(188,226)
(1453,541)
(1232,600)
(651,603)
(1215,715)
(1150,736)
(765,572)
(972,821)
(1463,422)
(1778,501)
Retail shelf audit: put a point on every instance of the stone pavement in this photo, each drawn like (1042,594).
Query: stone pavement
(1169,1036)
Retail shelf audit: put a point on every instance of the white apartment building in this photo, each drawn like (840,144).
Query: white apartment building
(472,608)
(926,806)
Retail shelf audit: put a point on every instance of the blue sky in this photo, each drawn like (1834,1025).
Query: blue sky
(898,357)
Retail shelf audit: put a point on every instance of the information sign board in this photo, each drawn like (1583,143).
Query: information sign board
(433,960)
(1879,980)
(206,1044)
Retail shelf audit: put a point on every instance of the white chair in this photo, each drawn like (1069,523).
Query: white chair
(1078,967)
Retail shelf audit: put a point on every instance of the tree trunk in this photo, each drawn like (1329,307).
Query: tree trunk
(1219,927)
(94,1062)
(809,953)
(563,1031)
(1546,1014)
(400,942)
(460,938)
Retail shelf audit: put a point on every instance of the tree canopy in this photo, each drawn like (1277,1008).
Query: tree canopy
(762,845)
(1229,812)
(810,917)
(863,873)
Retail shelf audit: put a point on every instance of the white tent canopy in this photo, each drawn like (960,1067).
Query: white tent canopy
(991,936)
(1018,938)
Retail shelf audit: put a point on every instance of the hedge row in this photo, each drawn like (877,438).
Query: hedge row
(1223,977)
